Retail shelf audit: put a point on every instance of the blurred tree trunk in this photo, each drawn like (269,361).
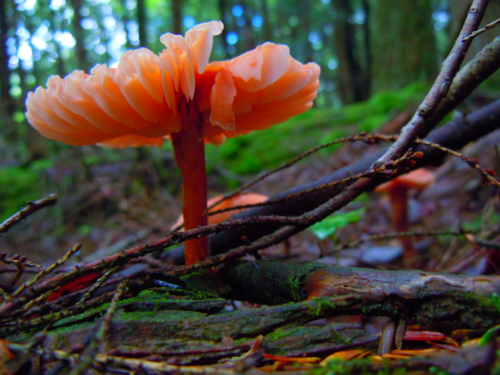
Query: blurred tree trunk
(248,34)
(351,79)
(57,18)
(141,23)
(266,18)
(6,101)
(367,54)
(79,34)
(404,48)
(126,19)
(176,16)
(304,8)
(222,12)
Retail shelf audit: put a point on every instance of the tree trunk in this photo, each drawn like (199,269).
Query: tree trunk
(222,13)
(61,69)
(266,18)
(6,100)
(141,23)
(304,8)
(351,79)
(248,35)
(404,49)
(176,16)
(367,54)
(79,34)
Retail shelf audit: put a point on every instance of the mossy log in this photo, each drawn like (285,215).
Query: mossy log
(149,324)
(431,300)
(193,325)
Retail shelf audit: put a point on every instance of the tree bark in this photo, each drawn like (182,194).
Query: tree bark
(432,300)
(176,6)
(141,23)
(190,325)
(351,79)
(222,4)
(6,99)
(404,50)
(79,34)
(367,52)
(267,22)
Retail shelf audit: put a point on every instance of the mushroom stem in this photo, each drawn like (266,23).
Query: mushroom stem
(189,150)
(399,202)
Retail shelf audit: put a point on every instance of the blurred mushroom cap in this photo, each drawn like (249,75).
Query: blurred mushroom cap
(418,179)
(237,200)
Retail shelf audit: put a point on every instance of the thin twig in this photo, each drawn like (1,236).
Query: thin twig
(440,88)
(486,243)
(20,325)
(369,139)
(390,235)
(129,363)
(486,174)
(37,300)
(88,356)
(474,129)
(3,294)
(15,278)
(16,258)
(482,30)
(47,270)
(26,211)
(377,170)
(97,284)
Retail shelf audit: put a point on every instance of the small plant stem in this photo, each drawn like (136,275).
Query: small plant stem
(399,202)
(189,149)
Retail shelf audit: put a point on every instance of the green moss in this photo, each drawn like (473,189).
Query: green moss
(19,185)
(201,286)
(171,316)
(323,305)
(280,333)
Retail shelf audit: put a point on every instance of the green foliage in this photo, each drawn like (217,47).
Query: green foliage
(438,371)
(19,185)
(479,222)
(489,337)
(496,301)
(328,226)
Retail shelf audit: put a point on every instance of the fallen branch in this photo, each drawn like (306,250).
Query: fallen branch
(27,211)
(432,300)
(454,135)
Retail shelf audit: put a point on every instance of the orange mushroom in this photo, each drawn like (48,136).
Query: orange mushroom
(177,94)
(397,189)
(237,200)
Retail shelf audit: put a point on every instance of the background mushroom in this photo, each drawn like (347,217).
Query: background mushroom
(397,189)
(237,200)
(177,94)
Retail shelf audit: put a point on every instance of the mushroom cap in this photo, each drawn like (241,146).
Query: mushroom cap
(418,179)
(237,200)
(136,103)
